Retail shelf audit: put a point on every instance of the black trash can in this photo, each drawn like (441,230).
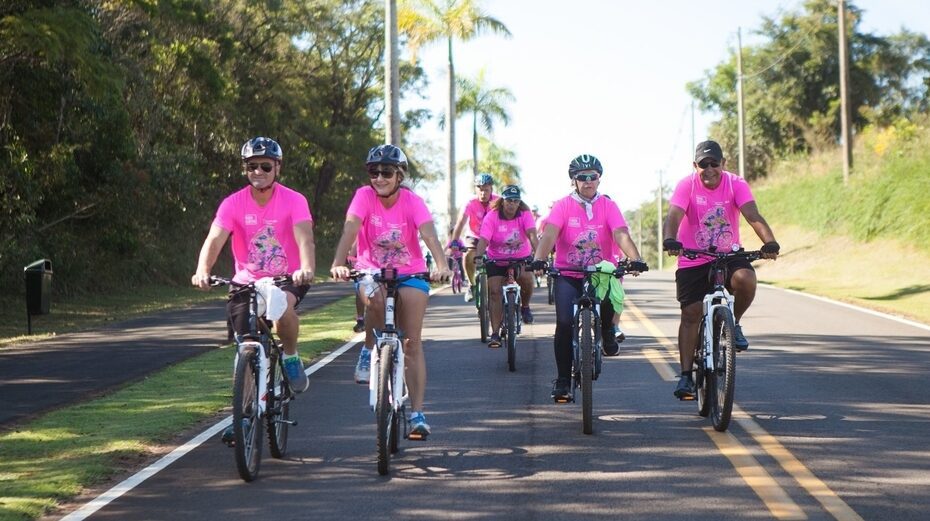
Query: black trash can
(38,286)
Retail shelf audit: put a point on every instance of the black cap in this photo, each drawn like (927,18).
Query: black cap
(707,149)
(511,192)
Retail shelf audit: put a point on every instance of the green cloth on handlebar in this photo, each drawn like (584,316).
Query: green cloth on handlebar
(604,280)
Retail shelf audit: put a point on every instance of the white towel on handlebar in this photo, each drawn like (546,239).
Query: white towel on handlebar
(272,302)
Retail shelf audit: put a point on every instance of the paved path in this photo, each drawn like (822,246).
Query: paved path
(50,373)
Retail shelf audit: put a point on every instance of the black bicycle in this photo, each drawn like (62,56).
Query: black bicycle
(714,366)
(261,390)
(586,338)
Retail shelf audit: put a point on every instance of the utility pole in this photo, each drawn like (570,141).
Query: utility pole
(391,75)
(739,105)
(659,221)
(844,92)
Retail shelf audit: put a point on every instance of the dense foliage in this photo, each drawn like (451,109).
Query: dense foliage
(791,84)
(121,122)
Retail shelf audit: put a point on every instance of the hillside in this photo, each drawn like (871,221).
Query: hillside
(867,243)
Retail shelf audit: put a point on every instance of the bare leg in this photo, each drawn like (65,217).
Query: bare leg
(527,282)
(743,282)
(494,302)
(688,333)
(410,319)
(288,326)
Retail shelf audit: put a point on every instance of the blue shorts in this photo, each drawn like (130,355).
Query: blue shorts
(419,284)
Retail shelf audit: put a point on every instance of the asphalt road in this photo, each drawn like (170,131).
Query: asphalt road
(831,423)
(47,374)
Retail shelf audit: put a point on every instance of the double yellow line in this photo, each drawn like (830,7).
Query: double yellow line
(769,491)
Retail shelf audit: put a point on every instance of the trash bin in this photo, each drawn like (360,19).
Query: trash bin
(38,286)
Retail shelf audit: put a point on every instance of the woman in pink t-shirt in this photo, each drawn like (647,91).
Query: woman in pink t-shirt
(507,232)
(583,226)
(387,219)
(472,215)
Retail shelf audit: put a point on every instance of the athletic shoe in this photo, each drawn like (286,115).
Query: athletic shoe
(359,325)
(618,334)
(685,388)
(419,429)
(611,347)
(468,295)
(561,391)
(363,367)
(526,315)
(495,341)
(295,374)
(739,341)
(229,434)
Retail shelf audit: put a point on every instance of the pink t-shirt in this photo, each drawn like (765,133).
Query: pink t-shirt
(711,216)
(507,239)
(390,236)
(263,243)
(582,241)
(475,210)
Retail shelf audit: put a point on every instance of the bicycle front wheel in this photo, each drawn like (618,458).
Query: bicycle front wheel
(384,409)
(484,316)
(511,330)
(702,379)
(586,345)
(247,421)
(279,410)
(725,369)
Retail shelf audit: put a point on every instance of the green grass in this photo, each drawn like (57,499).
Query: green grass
(55,457)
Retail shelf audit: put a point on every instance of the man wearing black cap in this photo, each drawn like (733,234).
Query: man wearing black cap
(704,212)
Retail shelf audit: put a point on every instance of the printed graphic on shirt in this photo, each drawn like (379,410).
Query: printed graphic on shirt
(585,249)
(266,253)
(715,230)
(389,249)
(511,244)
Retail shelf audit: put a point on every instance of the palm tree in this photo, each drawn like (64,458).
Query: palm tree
(484,103)
(498,161)
(428,21)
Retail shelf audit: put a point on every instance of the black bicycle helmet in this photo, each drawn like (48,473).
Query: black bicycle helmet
(388,155)
(584,162)
(262,147)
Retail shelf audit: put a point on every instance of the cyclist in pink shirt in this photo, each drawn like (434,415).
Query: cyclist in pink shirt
(507,232)
(473,213)
(387,220)
(704,213)
(584,227)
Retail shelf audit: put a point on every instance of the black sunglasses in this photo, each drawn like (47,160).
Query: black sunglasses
(594,176)
(266,167)
(387,174)
(708,163)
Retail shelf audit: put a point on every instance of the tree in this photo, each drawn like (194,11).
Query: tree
(498,161)
(428,21)
(483,103)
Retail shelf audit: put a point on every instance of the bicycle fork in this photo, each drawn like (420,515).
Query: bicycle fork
(263,364)
(711,303)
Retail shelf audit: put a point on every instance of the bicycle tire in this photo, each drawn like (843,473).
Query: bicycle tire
(247,422)
(384,408)
(586,345)
(700,378)
(484,317)
(550,282)
(725,365)
(511,331)
(278,412)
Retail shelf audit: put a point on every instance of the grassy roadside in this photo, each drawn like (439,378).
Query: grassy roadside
(52,459)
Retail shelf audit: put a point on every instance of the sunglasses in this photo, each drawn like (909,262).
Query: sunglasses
(512,201)
(708,163)
(266,167)
(593,176)
(386,174)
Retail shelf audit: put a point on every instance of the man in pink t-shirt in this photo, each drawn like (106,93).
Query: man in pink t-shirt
(703,213)
(583,227)
(272,234)
(473,214)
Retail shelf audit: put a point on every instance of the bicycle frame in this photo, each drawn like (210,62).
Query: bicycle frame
(719,298)
(389,334)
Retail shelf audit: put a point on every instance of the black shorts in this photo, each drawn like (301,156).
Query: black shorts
(499,270)
(237,307)
(695,282)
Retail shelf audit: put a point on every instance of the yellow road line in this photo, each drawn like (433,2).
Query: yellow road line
(805,478)
(775,498)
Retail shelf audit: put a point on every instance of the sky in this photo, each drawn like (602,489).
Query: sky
(606,77)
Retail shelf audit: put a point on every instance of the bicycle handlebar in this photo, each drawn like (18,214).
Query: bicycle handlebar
(281,280)
(720,255)
(380,277)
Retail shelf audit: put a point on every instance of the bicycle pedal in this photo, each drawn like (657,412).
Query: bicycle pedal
(686,399)
(416,436)
(562,399)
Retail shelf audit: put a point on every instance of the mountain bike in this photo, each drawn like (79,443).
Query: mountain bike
(586,338)
(510,307)
(261,390)
(458,271)
(714,366)
(387,387)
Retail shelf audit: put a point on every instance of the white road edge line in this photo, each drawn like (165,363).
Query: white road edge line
(136,479)
(889,316)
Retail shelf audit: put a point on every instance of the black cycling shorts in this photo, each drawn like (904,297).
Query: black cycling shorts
(237,307)
(693,283)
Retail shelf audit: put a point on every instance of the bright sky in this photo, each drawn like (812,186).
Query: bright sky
(607,77)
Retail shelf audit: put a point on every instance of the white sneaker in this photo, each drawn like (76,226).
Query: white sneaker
(363,367)
(618,334)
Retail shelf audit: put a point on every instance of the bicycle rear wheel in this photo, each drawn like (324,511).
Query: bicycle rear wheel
(511,331)
(279,410)
(484,316)
(725,365)
(384,409)
(247,421)
(586,344)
